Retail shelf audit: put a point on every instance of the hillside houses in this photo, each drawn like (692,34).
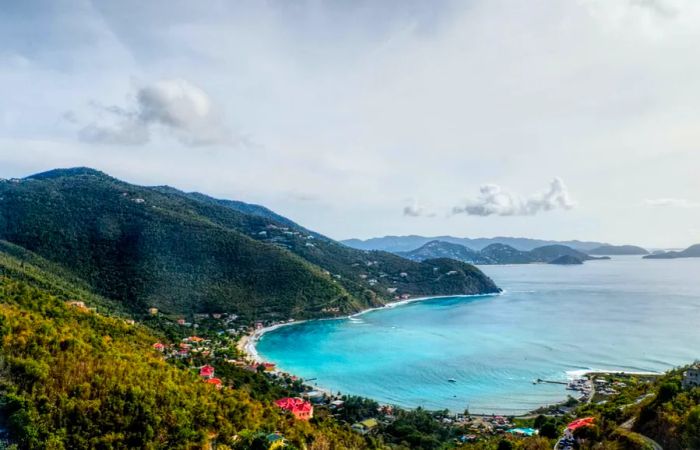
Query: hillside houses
(300,408)
(691,377)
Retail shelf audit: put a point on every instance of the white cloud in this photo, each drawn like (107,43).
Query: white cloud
(494,200)
(672,203)
(175,106)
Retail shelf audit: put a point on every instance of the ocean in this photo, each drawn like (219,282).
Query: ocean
(551,322)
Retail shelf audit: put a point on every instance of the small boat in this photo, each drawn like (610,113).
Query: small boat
(452,380)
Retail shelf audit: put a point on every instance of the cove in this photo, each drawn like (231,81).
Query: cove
(551,323)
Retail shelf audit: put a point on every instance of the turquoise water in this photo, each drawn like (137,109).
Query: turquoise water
(624,314)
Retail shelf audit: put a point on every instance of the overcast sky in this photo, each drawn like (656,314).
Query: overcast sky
(551,119)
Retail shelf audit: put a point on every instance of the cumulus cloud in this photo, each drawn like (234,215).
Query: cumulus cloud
(174,106)
(672,203)
(494,200)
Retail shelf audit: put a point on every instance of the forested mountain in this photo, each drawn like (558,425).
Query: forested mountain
(186,253)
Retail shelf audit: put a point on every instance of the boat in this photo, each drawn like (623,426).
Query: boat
(452,380)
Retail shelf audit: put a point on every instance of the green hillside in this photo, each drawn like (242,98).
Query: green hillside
(187,253)
(71,378)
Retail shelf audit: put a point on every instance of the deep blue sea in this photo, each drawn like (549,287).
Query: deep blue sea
(624,314)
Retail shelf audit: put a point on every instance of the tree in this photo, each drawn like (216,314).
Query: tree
(692,428)
(505,445)
(539,421)
(549,430)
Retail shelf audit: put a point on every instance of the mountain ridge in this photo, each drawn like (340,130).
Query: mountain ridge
(189,253)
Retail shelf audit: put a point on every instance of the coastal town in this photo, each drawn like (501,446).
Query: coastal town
(223,342)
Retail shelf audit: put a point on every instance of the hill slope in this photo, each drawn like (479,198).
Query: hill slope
(187,253)
(72,378)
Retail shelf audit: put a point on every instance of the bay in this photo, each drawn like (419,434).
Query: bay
(551,322)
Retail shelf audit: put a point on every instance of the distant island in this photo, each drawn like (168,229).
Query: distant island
(407,243)
(499,254)
(691,252)
(620,250)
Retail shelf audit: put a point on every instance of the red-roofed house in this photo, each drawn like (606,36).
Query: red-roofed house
(301,409)
(215,381)
(578,423)
(158,346)
(206,371)
(269,367)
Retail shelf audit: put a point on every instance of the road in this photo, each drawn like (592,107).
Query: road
(627,426)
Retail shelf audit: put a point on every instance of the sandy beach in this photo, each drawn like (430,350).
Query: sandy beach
(246,344)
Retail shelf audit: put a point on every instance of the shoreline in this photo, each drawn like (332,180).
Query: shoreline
(247,343)
(247,346)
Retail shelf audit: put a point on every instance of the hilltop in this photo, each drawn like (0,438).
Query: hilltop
(188,253)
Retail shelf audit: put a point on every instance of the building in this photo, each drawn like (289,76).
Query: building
(301,409)
(269,367)
(158,346)
(206,371)
(153,311)
(366,426)
(215,381)
(691,377)
(276,440)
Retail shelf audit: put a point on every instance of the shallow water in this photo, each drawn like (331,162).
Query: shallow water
(624,314)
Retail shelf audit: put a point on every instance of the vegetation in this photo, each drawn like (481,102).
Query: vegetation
(70,378)
(186,253)
(83,254)
(498,253)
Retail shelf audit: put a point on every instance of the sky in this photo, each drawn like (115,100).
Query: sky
(554,119)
